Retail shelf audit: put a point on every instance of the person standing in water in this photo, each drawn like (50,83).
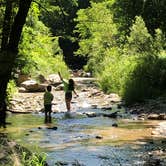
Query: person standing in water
(69,87)
(48,98)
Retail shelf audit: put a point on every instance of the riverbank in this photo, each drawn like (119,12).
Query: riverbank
(13,154)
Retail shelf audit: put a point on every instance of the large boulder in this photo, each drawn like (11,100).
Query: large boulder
(54,79)
(22,77)
(33,86)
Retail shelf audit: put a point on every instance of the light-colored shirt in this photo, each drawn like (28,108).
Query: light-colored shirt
(48,97)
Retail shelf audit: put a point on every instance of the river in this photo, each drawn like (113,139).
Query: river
(84,140)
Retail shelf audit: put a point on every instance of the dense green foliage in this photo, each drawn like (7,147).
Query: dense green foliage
(132,65)
(59,15)
(97,35)
(122,41)
(11,90)
(39,52)
(35,159)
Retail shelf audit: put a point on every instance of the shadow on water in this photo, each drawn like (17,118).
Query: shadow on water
(90,141)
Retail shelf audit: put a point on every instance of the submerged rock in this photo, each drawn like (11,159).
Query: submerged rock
(99,137)
(52,128)
(114,125)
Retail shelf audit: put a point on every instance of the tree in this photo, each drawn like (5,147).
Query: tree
(9,50)
(59,16)
(152,12)
(39,52)
(125,12)
(97,33)
(147,78)
(139,41)
(154,15)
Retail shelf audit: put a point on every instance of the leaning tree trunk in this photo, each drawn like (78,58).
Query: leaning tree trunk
(7,24)
(9,53)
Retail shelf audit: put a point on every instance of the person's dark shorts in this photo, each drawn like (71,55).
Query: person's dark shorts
(47,108)
(68,95)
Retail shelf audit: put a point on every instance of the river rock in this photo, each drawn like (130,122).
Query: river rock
(94,106)
(22,90)
(52,128)
(111,115)
(155,158)
(61,163)
(153,116)
(114,125)
(162,117)
(142,117)
(33,86)
(54,79)
(155,132)
(90,114)
(22,77)
(99,137)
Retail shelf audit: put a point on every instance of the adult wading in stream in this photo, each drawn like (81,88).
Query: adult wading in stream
(69,87)
(48,97)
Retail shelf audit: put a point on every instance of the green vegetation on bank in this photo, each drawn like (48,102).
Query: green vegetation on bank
(39,52)
(15,154)
(35,159)
(132,65)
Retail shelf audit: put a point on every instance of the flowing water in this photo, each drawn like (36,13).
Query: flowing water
(84,140)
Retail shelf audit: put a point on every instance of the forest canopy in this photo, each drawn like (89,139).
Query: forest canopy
(121,42)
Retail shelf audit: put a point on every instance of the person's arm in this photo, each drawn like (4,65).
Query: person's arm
(60,76)
(75,93)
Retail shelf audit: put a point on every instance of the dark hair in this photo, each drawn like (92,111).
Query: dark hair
(49,88)
(71,84)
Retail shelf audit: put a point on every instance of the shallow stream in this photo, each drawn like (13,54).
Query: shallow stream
(84,140)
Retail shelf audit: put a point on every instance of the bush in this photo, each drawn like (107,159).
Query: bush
(132,78)
(138,71)
(39,52)
(116,69)
(11,90)
(35,159)
(148,80)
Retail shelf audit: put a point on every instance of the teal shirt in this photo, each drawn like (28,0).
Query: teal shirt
(48,97)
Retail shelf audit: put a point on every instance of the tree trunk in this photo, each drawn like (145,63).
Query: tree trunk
(7,24)
(5,72)
(9,53)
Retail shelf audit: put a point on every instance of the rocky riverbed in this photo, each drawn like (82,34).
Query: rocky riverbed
(92,98)
(89,96)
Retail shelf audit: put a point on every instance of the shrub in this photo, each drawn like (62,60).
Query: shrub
(148,80)
(35,159)
(138,71)
(11,90)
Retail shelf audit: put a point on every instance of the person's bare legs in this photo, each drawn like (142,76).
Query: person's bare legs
(49,117)
(68,103)
(46,119)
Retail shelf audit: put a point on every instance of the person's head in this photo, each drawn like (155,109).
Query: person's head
(71,84)
(49,88)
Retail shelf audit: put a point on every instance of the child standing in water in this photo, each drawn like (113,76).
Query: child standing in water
(68,88)
(48,97)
